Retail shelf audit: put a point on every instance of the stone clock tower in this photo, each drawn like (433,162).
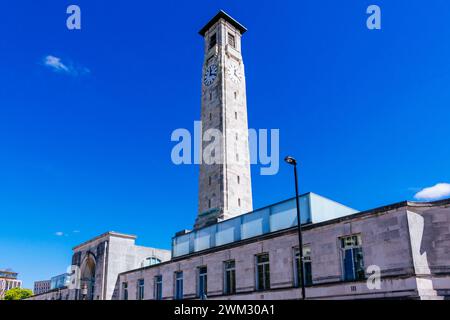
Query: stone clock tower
(225,185)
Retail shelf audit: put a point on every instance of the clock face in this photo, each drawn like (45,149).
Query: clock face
(234,72)
(210,74)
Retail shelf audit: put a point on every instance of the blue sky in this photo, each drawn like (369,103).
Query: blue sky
(86,150)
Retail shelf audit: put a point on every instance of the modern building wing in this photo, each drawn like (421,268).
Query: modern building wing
(280,216)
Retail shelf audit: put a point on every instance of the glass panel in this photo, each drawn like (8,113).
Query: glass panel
(255,224)
(267,276)
(348,265)
(203,238)
(182,245)
(283,215)
(260,278)
(228,231)
(359,263)
(308,273)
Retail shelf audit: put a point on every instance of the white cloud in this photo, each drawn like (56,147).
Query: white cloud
(439,191)
(57,65)
(59,233)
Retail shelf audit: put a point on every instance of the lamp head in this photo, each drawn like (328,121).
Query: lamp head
(290,160)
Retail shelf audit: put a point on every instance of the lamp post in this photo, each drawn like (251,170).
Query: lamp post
(293,162)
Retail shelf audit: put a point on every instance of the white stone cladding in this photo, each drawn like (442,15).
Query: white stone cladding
(225,188)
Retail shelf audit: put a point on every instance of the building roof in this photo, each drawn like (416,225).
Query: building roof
(109,233)
(222,15)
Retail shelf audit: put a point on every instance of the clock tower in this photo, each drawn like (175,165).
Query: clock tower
(225,184)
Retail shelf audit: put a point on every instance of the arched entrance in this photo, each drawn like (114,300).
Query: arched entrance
(87,277)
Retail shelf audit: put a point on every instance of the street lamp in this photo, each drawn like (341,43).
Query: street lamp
(293,162)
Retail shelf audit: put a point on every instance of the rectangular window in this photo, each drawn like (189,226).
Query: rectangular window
(124,290)
(230,277)
(352,258)
(307,267)
(231,40)
(179,285)
(202,282)
(158,288)
(212,41)
(262,272)
(140,289)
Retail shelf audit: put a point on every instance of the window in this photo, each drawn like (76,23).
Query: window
(158,288)
(150,261)
(124,290)
(306,266)
(352,258)
(262,272)
(235,95)
(238,179)
(210,116)
(209,180)
(209,203)
(231,40)
(230,277)
(235,115)
(237,157)
(212,41)
(140,289)
(239,202)
(202,282)
(179,285)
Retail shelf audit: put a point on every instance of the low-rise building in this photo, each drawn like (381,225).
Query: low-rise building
(396,251)
(42,286)
(8,280)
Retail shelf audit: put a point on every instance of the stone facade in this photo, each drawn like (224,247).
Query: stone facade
(97,263)
(225,181)
(408,242)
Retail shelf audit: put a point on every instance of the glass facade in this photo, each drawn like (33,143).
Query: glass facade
(151,261)
(280,216)
(59,281)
